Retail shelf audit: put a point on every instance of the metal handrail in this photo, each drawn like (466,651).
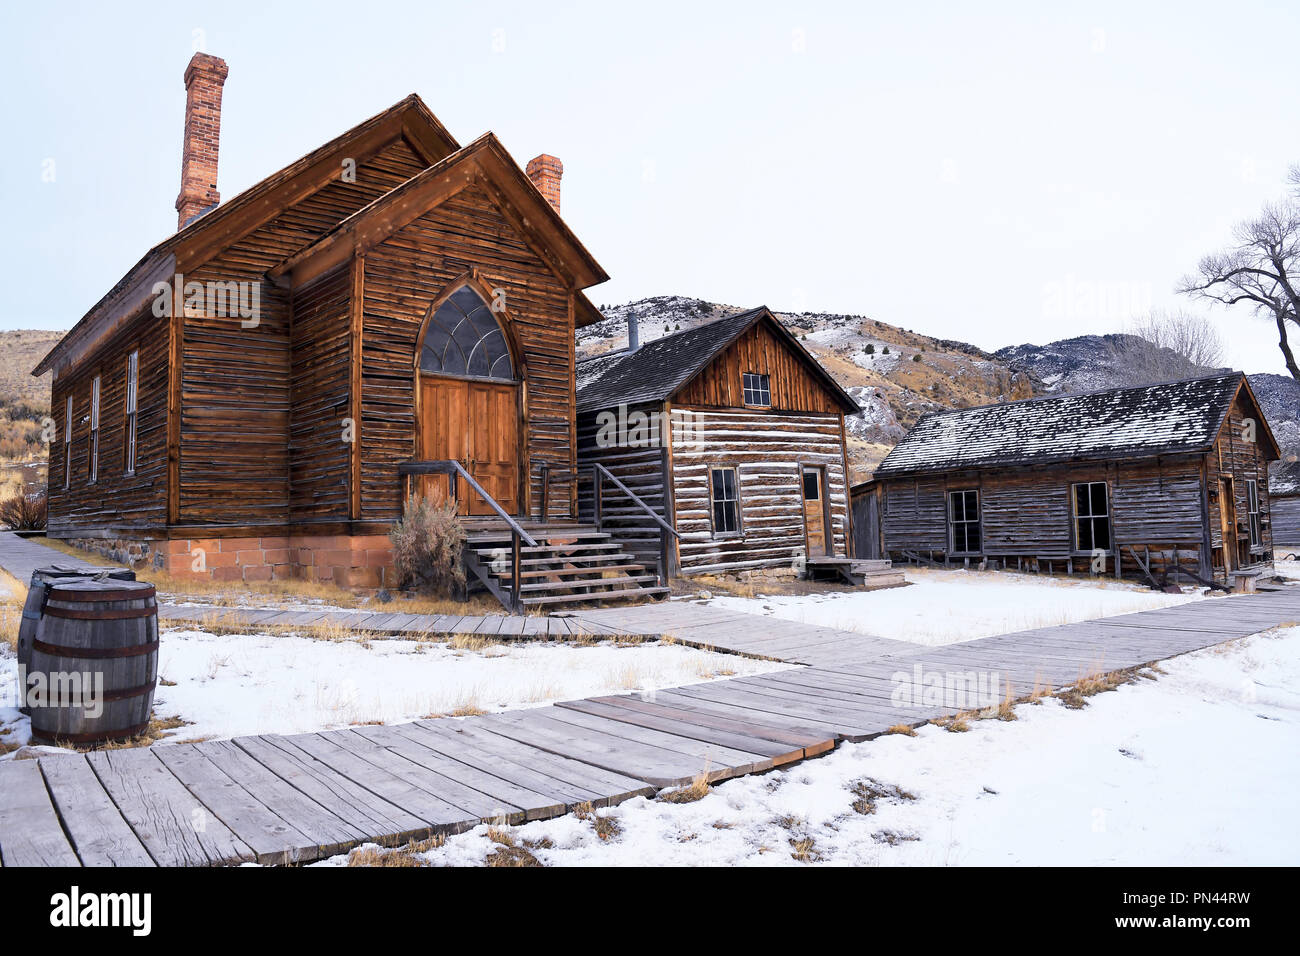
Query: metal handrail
(452,469)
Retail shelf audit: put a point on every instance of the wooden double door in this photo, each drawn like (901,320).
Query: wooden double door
(476,424)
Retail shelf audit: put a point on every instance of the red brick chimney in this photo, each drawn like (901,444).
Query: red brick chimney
(204,78)
(545,172)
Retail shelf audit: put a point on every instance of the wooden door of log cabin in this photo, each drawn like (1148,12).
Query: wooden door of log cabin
(476,424)
(817,540)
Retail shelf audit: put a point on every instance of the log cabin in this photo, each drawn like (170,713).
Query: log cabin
(719,449)
(1160,481)
(255,398)
(1284,502)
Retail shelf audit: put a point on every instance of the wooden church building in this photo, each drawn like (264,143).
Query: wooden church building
(732,434)
(243,402)
(1160,481)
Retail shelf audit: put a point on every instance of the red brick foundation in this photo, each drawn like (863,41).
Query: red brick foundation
(350,561)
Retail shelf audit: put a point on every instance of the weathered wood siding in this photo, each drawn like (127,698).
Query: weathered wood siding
(1236,456)
(1286,521)
(638,458)
(767,450)
(794,386)
(403,277)
(320,391)
(1028,513)
(237,382)
(115,500)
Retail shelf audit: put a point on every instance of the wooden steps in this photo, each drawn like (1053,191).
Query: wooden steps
(569,565)
(859,572)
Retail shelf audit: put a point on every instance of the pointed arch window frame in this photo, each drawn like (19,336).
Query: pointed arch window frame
(452,345)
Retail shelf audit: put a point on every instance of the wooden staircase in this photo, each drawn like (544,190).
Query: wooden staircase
(570,565)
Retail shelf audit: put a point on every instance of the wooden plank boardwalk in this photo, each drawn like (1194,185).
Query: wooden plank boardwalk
(287,799)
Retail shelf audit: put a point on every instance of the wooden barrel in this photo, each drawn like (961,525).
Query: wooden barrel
(37,591)
(94,661)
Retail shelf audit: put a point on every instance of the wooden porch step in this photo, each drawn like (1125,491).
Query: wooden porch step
(596,596)
(587,583)
(577,559)
(544,549)
(569,572)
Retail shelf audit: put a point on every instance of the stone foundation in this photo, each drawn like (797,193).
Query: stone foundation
(350,561)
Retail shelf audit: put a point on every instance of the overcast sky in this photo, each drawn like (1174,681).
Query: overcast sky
(998,173)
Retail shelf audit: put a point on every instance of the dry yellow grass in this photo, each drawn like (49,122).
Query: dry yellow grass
(402,856)
(698,789)
(905,729)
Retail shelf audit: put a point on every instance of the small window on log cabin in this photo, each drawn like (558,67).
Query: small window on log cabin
(758,389)
(1091,516)
(94,429)
(964,521)
(132,377)
(67,442)
(464,338)
(1252,509)
(725,497)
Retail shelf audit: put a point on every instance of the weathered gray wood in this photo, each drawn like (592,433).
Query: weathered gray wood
(174,825)
(30,834)
(99,833)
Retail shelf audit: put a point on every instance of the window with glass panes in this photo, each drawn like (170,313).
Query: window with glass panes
(1252,509)
(758,389)
(1091,516)
(725,499)
(94,429)
(964,521)
(132,375)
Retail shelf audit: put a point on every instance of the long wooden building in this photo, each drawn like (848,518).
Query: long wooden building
(732,433)
(1146,479)
(1284,499)
(244,402)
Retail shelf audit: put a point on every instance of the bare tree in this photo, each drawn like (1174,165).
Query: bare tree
(1261,270)
(1163,346)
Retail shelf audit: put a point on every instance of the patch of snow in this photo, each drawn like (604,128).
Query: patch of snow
(946,607)
(229,685)
(1152,774)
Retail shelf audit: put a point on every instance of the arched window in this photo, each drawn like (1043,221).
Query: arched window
(463,338)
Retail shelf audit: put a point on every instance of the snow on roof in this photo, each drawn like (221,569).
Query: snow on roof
(1117,423)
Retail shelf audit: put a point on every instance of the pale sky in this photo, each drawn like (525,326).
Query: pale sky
(997,173)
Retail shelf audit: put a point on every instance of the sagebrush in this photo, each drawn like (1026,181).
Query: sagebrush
(24,512)
(427,546)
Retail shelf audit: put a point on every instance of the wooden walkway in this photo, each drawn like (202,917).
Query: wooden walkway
(284,799)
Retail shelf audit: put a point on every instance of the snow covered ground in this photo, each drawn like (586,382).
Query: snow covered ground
(232,684)
(1154,773)
(944,607)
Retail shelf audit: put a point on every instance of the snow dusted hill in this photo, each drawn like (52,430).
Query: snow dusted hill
(898,375)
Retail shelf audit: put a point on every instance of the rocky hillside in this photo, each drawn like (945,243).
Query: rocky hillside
(895,374)
(20,350)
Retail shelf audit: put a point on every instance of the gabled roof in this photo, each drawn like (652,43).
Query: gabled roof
(1141,422)
(484,161)
(204,237)
(660,367)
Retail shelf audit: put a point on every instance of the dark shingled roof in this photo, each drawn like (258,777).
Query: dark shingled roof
(656,370)
(1139,422)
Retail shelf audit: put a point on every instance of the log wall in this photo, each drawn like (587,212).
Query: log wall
(767,450)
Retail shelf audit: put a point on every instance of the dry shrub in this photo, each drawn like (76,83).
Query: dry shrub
(427,544)
(905,729)
(24,512)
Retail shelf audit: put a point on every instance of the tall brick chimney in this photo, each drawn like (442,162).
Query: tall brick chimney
(204,78)
(545,172)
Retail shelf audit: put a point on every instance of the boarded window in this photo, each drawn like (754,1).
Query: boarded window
(1091,516)
(758,389)
(964,521)
(94,429)
(1252,509)
(132,377)
(725,499)
(464,338)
